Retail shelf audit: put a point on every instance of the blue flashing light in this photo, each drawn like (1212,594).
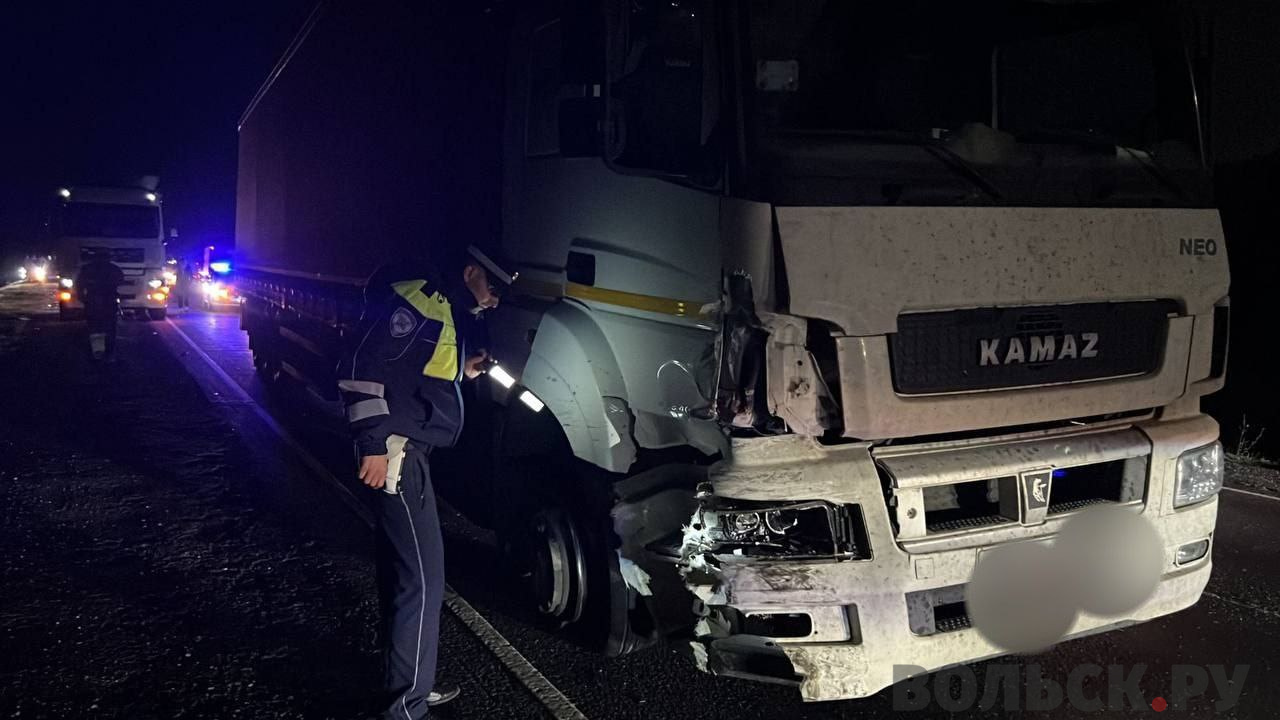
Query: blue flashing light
(1059,473)
(221,267)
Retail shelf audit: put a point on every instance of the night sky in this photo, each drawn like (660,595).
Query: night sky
(110,91)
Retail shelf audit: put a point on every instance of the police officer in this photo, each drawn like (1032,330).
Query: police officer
(182,285)
(98,285)
(400,385)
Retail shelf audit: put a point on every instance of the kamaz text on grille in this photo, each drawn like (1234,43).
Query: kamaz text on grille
(1037,348)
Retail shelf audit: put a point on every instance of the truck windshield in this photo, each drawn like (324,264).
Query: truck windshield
(83,219)
(992,101)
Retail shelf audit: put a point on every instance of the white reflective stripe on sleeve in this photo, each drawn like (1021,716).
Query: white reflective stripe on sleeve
(363,386)
(366,409)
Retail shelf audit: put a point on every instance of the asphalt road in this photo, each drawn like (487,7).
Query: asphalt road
(167,552)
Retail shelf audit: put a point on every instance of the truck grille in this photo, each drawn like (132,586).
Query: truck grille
(992,348)
(959,492)
(986,503)
(118,255)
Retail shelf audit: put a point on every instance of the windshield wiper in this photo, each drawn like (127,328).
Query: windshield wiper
(1090,139)
(931,145)
(952,159)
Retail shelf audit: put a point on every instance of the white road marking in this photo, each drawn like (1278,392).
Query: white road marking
(555,701)
(548,694)
(344,493)
(1264,496)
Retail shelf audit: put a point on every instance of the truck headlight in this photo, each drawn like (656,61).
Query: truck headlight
(154,284)
(1199,475)
(67,282)
(794,530)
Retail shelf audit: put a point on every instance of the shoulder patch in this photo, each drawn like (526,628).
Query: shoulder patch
(402,323)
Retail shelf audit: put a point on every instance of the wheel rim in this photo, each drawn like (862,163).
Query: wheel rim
(559,566)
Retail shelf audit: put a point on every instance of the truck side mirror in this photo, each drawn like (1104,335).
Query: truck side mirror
(580,127)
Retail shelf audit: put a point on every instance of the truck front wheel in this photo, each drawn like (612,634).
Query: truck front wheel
(557,564)
(559,544)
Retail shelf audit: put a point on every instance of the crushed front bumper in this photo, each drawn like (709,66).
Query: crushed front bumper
(867,616)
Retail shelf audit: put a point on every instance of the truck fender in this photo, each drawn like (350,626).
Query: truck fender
(573,370)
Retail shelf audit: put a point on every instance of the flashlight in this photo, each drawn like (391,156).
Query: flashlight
(502,376)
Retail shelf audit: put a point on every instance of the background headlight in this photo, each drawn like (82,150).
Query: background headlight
(1199,475)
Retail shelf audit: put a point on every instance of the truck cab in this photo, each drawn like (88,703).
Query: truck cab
(128,223)
(822,285)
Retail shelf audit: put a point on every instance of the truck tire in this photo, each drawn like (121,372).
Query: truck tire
(268,367)
(156,314)
(558,543)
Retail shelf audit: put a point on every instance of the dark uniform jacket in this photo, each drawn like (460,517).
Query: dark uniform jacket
(402,376)
(97,285)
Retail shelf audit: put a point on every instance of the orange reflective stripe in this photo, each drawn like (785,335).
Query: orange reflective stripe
(648,303)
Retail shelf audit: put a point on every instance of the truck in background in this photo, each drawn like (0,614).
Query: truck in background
(810,294)
(126,222)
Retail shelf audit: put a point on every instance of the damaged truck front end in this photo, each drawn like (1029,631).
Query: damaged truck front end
(913,330)
(835,539)
(834,593)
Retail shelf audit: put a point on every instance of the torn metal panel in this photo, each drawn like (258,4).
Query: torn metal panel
(713,625)
(740,398)
(649,511)
(830,672)
(664,431)
(796,390)
(633,575)
(699,655)
(748,243)
(698,565)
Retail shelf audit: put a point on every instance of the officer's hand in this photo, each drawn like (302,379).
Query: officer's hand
(373,470)
(472,369)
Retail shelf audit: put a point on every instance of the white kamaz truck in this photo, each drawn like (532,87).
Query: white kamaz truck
(818,300)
